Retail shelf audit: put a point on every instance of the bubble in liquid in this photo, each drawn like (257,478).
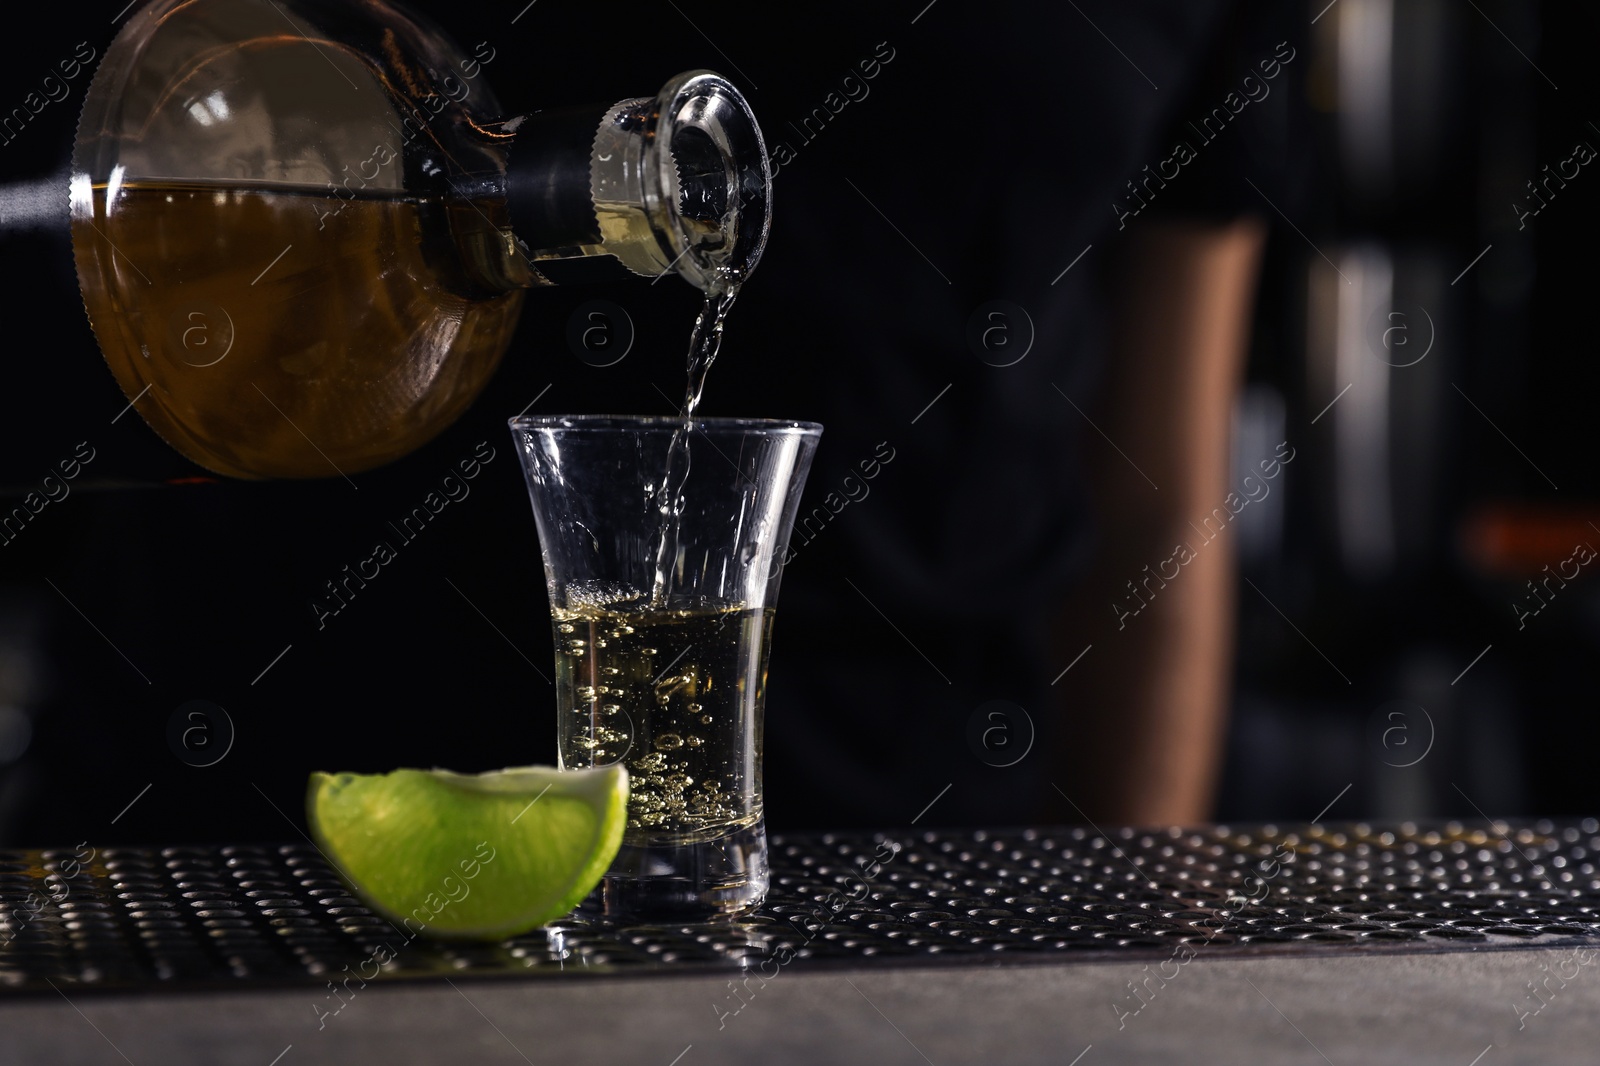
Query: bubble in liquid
(610,708)
(678,782)
(669,741)
(566,627)
(653,761)
(648,651)
(587,743)
(610,670)
(705,719)
(692,708)
(694,742)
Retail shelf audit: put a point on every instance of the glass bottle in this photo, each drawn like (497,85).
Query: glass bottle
(303,229)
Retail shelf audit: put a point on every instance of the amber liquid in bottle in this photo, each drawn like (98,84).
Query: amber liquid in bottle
(275,332)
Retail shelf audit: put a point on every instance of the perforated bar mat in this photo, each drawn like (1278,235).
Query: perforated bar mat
(248,915)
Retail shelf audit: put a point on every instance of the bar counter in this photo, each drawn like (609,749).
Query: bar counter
(1446,943)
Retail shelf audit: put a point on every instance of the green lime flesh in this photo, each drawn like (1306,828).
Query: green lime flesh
(482,856)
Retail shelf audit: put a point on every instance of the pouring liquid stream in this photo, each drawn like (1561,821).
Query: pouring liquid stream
(704,343)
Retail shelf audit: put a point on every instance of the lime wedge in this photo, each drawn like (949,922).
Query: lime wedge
(470,855)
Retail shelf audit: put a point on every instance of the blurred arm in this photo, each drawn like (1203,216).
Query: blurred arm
(1145,710)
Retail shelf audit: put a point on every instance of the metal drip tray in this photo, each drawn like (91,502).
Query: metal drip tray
(243,916)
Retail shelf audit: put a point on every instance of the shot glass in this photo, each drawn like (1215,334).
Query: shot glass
(663,544)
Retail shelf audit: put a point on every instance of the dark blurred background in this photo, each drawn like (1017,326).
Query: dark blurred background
(1378,644)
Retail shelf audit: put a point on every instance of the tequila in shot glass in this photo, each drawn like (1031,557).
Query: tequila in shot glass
(662,543)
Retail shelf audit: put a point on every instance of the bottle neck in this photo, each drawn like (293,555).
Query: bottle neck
(34,205)
(677,183)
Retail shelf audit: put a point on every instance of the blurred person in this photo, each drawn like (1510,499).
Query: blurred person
(1091,168)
